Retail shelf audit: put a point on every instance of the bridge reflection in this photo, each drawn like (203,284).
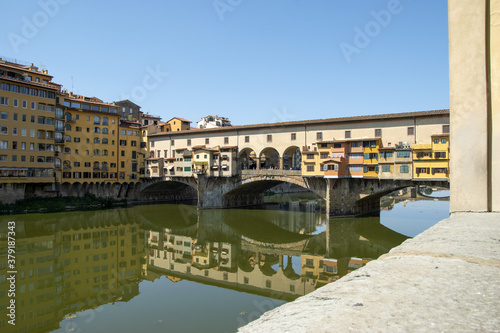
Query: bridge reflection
(77,261)
(244,251)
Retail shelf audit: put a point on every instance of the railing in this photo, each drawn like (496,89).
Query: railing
(271,172)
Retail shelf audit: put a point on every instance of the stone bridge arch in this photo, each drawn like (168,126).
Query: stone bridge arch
(169,188)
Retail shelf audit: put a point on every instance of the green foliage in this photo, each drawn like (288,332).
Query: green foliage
(60,204)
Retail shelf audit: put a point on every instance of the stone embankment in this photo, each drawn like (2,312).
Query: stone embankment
(446,279)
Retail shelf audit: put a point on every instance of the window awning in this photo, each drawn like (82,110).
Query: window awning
(170,167)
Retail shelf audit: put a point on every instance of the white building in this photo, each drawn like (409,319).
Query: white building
(213,122)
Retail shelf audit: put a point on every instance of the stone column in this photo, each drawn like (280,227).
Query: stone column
(474,39)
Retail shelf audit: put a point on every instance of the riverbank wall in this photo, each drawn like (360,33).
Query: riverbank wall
(443,280)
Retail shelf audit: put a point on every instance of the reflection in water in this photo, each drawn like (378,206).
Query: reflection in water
(71,262)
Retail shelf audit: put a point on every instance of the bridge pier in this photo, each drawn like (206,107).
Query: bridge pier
(356,197)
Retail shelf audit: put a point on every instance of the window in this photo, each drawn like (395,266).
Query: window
(32,105)
(386,154)
(347,134)
(247,139)
(355,155)
(25,105)
(172,142)
(436,140)
(324,155)
(355,144)
(14,116)
(207,141)
(105,121)
(4,101)
(386,168)
(410,130)
(293,136)
(269,138)
(404,168)
(446,129)
(16,102)
(4,130)
(226,140)
(32,133)
(4,145)
(310,168)
(4,116)
(319,135)
(403,154)
(310,156)
(440,155)
(378,132)
(443,140)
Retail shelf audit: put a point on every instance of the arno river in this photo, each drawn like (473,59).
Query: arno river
(171,268)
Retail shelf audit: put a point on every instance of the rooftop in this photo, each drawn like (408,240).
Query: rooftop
(380,117)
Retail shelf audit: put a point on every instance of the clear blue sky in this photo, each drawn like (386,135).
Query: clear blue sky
(253,61)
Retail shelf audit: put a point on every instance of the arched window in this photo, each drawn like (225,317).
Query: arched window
(104,152)
(67,115)
(96,166)
(97,120)
(97,140)
(66,165)
(96,152)
(68,127)
(104,141)
(97,130)
(105,121)
(104,166)
(104,130)
(67,138)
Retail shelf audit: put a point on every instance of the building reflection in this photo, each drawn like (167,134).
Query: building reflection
(70,265)
(72,262)
(215,252)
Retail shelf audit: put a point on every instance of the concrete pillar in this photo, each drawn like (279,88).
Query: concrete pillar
(258,163)
(280,261)
(280,159)
(474,47)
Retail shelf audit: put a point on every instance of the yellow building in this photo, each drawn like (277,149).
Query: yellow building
(370,158)
(131,151)
(88,150)
(431,161)
(311,161)
(202,160)
(177,124)
(27,114)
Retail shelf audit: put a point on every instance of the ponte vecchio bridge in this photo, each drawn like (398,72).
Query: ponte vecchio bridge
(234,166)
